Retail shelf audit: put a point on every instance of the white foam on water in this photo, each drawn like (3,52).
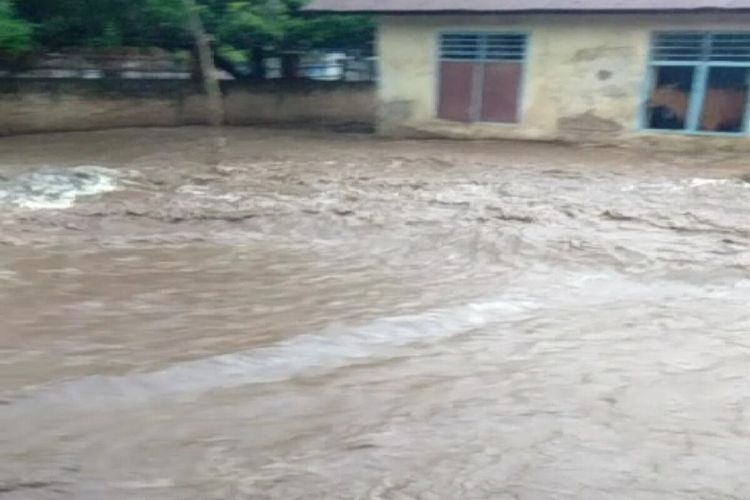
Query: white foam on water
(305,354)
(698,182)
(659,187)
(207,193)
(55,189)
(694,183)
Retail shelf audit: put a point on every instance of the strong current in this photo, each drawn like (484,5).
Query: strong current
(342,317)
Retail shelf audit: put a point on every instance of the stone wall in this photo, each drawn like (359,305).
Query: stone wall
(52,105)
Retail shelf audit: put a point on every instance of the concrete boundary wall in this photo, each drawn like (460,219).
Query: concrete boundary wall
(55,105)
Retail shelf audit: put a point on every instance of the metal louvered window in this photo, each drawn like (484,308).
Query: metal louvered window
(699,82)
(703,47)
(483,47)
(480,76)
(678,46)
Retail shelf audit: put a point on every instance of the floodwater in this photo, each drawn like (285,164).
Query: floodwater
(328,316)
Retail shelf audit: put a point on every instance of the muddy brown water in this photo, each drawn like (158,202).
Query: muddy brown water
(334,316)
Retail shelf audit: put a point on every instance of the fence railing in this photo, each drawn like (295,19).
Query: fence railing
(324,66)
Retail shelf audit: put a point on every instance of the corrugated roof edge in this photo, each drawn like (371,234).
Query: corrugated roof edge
(523,6)
(707,10)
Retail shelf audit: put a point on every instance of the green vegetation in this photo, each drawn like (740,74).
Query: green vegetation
(243,30)
(15,33)
(280,24)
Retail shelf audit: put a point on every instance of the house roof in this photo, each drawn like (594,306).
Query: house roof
(522,6)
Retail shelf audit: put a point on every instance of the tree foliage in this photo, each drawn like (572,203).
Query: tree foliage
(281,25)
(239,24)
(106,23)
(15,32)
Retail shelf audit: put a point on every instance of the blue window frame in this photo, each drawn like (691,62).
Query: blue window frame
(698,82)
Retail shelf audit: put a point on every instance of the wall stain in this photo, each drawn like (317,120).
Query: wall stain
(588,122)
(594,53)
(393,115)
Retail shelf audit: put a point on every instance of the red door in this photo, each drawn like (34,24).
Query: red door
(456,90)
(501,87)
(480,76)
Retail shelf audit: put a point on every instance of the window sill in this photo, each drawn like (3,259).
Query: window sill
(482,123)
(693,133)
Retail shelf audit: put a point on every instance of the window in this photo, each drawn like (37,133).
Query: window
(480,77)
(699,82)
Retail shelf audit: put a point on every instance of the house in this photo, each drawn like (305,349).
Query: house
(660,70)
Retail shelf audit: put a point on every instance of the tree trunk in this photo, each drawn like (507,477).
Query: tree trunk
(290,63)
(207,68)
(258,62)
(210,82)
